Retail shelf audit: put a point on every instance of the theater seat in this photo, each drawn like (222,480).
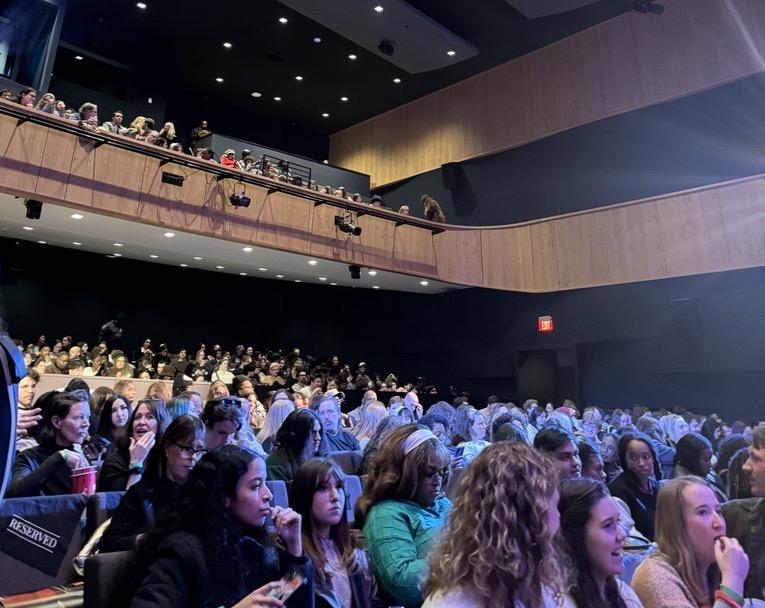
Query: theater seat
(109,579)
(99,508)
(279,492)
(348,461)
(353,491)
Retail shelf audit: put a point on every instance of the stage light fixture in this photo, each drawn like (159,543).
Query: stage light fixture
(34,209)
(386,47)
(345,224)
(239,200)
(355,271)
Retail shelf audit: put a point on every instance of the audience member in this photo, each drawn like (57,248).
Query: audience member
(592,461)
(404,486)
(297,440)
(198,133)
(275,417)
(469,432)
(114,125)
(213,549)
(27,417)
(696,564)
(335,439)
(738,485)
(374,412)
(563,450)
(115,414)
(694,457)
(222,418)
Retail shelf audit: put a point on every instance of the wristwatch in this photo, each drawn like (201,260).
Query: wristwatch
(136,468)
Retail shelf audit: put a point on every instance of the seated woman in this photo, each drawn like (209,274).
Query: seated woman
(115,414)
(217,390)
(298,440)
(45,470)
(342,575)
(469,432)
(179,406)
(696,565)
(609,450)
(222,417)
(374,412)
(384,429)
(276,415)
(167,469)
(594,542)
(694,457)
(498,548)
(638,483)
(124,466)
(402,510)
(213,548)
(739,485)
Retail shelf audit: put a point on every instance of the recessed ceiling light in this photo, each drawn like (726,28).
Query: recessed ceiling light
(451,53)
(298,281)
(256,94)
(117,255)
(424,283)
(352,57)
(76,243)
(325,114)
(184,265)
(277,98)
(141,5)
(247,249)
(79,57)
(242,274)
(263,269)
(27,228)
(298,78)
(77,216)
(117,244)
(317,40)
(227,45)
(372,273)
(333,284)
(153,256)
(379,9)
(312,262)
(397,80)
(375,287)
(169,234)
(322,278)
(43,242)
(279,276)
(219,79)
(220,267)
(197,258)
(283,20)
(343,99)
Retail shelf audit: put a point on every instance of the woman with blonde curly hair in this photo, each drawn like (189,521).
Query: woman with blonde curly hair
(498,547)
(402,510)
(217,390)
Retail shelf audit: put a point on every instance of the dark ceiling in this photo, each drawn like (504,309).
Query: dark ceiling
(178,44)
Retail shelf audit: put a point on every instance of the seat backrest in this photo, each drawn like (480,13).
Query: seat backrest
(109,577)
(23,566)
(99,508)
(279,492)
(348,461)
(353,491)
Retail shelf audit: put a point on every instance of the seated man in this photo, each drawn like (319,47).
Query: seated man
(746,517)
(27,418)
(335,438)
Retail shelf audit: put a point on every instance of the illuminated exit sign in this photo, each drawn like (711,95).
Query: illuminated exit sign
(545,324)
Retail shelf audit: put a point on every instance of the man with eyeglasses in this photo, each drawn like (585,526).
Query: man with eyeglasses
(335,438)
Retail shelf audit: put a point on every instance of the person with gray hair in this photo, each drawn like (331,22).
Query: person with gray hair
(335,439)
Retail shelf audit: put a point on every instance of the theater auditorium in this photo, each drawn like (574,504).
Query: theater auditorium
(382,304)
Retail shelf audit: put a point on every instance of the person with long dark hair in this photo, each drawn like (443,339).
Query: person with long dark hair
(638,483)
(342,574)
(594,542)
(297,440)
(115,414)
(125,465)
(213,548)
(167,469)
(694,457)
(45,470)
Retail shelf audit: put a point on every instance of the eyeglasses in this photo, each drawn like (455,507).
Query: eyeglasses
(431,473)
(188,450)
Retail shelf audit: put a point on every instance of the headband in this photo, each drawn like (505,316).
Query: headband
(418,437)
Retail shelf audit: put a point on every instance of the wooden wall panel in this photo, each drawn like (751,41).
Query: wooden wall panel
(507,258)
(620,65)
(284,223)
(743,211)
(55,165)
(22,156)
(118,190)
(459,258)
(544,252)
(581,255)
(692,233)
(414,251)
(79,187)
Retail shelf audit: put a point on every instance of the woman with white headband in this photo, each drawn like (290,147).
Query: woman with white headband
(403,509)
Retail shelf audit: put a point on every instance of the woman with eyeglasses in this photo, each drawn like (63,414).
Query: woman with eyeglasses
(167,469)
(125,465)
(403,509)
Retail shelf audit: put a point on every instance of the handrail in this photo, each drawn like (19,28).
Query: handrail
(166,156)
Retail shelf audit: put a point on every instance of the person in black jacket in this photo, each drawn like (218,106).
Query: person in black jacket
(213,549)
(167,469)
(638,483)
(45,470)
